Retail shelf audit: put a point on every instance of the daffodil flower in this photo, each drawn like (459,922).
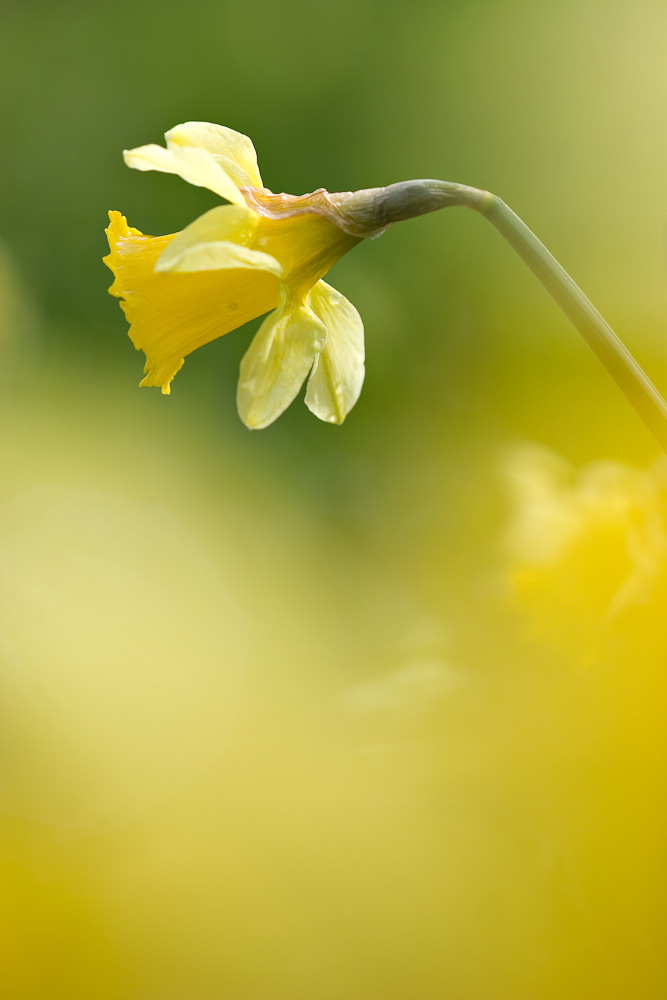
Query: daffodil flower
(267,253)
(259,253)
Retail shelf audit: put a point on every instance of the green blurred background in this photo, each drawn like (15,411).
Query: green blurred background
(368,712)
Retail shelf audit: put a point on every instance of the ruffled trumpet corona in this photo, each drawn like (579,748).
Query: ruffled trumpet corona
(267,253)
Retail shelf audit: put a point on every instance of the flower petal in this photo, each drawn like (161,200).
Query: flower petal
(173,314)
(194,165)
(233,150)
(305,244)
(338,373)
(276,363)
(225,222)
(218,239)
(218,255)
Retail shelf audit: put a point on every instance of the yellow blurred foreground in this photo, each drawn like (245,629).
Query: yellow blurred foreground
(242,760)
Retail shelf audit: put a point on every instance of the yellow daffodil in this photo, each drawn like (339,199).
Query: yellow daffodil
(260,253)
(266,252)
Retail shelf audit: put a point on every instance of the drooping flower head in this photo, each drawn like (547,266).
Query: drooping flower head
(259,253)
(265,252)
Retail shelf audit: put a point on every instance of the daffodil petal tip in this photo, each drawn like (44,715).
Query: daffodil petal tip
(277,362)
(233,150)
(193,164)
(338,373)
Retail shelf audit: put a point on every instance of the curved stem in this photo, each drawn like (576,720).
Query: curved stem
(369,212)
(597,333)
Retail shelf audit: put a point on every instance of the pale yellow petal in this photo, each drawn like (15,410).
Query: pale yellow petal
(171,315)
(225,222)
(216,256)
(338,373)
(217,239)
(194,165)
(234,151)
(277,362)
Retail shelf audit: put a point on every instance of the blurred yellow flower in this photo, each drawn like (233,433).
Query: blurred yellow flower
(261,252)
(584,546)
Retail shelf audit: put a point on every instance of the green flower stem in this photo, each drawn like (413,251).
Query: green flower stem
(369,212)
(597,333)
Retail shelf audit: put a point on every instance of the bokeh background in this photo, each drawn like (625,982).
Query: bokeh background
(369,712)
